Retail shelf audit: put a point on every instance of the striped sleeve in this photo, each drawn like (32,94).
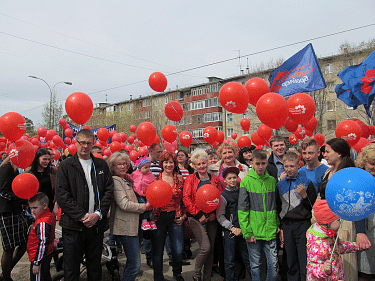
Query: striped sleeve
(42,230)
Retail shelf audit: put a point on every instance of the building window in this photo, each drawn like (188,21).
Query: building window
(213,102)
(156,102)
(212,117)
(245,133)
(331,124)
(129,106)
(146,102)
(331,87)
(229,117)
(349,62)
(166,99)
(329,105)
(229,132)
(329,68)
(198,133)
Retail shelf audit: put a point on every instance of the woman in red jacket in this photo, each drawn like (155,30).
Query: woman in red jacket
(203,225)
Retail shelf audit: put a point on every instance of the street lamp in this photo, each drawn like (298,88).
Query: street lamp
(51,121)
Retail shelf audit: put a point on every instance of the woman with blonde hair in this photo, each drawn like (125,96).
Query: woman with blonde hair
(228,154)
(125,211)
(203,225)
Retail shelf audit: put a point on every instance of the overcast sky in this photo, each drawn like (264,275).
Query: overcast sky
(99,45)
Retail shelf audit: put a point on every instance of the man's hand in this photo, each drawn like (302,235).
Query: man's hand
(36,269)
(236,231)
(90,220)
(212,217)
(301,190)
(281,235)
(251,240)
(180,220)
(363,242)
(282,176)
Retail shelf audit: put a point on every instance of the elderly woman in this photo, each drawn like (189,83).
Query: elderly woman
(203,225)
(125,210)
(169,220)
(228,154)
(366,228)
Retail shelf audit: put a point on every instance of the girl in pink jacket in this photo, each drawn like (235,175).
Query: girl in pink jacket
(142,178)
(321,238)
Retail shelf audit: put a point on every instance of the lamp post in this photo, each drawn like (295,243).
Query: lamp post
(51,121)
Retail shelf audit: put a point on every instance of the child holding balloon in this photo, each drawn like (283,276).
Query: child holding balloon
(321,237)
(142,178)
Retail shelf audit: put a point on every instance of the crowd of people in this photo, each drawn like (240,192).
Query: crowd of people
(270,203)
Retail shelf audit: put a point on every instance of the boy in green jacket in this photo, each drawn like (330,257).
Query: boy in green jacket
(258,217)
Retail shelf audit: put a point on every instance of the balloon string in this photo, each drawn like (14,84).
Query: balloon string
(334,246)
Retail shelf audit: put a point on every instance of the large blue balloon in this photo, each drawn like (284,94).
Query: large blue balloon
(350,194)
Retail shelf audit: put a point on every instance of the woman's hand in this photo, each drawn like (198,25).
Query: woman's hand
(203,220)
(363,242)
(148,206)
(212,217)
(180,220)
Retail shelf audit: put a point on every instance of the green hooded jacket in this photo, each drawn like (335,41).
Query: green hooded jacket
(257,212)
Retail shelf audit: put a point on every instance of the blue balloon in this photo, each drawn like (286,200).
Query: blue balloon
(350,194)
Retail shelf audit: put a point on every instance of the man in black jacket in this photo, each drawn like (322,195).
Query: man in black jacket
(275,165)
(84,191)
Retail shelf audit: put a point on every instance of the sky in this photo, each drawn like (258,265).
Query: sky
(108,49)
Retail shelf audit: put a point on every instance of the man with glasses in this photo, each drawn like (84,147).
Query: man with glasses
(84,192)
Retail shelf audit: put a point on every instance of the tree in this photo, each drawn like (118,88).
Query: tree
(52,115)
(29,126)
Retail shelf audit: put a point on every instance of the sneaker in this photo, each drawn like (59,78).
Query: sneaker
(153,225)
(145,225)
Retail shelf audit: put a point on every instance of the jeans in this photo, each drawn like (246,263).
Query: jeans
(132,252)
(166,224)
(295,247)
(270,251)
(231,247)
(76,243)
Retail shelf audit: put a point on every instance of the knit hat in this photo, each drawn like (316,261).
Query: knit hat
(142,161)
(323,213)
(228,170)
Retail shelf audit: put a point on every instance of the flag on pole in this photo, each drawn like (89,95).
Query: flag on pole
(358,81)
(300,73)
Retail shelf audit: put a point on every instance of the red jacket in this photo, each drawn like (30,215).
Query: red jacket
(190,189)
(42,237)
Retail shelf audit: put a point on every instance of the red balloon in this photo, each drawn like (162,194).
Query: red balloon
(21,153)
(133,155)
(68,132)
(102,134)
(35,141)
(25,185)
(272,110)
(85,127)
(146,133)
(157,139)
(361,144)
(115,146)
(132,128)
(49,135)
(68,141)
(132,138)
(258,147)
(265,131)
(42,132)
(123,136)
(301,133)
(168,146)
(233,135)
(244,141)
(185,138)
(57,140)
(290,125)
(112,132)
(98,156)
(62,122)
(173,110)
(116,137)
(159,193)
(107,152)
(256,87)
(257,139)
(169,133)
(220,136)
(311,125)
(309,133)
(210,134)
(207,198)
(57,155)
(215,145)
(143,151)
(364,128)
(79,107)
(349,130)
(233,97)
(372,129)
(293,139)
(12,125)
(129,147)
(301,108)
(157,82)
(245,124)
(72,149)
(319,139)
(66,126)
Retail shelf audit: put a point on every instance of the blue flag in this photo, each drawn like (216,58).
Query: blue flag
(358,81)
(95,131)
(300,73)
